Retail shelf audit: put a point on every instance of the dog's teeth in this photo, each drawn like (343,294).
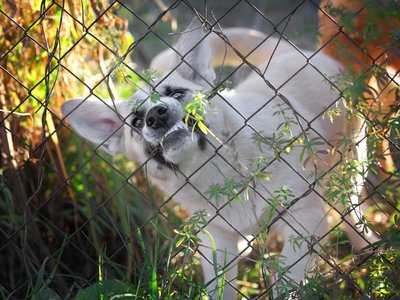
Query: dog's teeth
(176,127)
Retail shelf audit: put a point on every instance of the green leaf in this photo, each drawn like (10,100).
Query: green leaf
(214,251)
(180,241)
(100,265)
(46,294)
(202,127)
(332,195)
(154,97)
(153,282)
(264,175)
(395,218)
(40,276)
(111,288)
(222,279)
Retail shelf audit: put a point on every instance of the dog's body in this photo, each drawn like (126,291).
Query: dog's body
(187,164)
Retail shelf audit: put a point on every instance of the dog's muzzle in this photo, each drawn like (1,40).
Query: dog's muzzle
(170,132)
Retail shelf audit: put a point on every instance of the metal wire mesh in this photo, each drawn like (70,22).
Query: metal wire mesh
(78,223)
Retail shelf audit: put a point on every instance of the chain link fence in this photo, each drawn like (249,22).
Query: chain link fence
(77,222)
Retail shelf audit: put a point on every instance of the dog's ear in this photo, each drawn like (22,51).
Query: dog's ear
(195,55)
(96,122)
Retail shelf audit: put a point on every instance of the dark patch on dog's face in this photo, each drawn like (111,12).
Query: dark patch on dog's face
(202,142)
(137,122)
(175,92)
(156,153)
(225,134)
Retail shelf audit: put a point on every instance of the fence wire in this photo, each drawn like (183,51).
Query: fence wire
(79,223)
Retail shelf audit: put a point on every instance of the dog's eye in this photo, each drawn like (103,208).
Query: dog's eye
(137,122)
(177,94)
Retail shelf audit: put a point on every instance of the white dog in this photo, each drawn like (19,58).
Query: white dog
(272,125)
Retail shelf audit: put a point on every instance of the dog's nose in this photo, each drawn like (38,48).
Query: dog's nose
(157,116)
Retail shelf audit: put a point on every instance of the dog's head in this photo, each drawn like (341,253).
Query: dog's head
(152,132)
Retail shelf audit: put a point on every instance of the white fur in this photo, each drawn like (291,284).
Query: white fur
(308,92)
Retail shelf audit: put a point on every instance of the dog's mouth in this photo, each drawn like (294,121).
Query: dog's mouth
(176,132)
(173,140)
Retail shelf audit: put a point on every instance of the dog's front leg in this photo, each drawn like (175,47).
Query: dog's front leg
(301,229)
(219,260)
